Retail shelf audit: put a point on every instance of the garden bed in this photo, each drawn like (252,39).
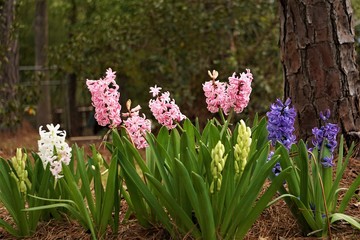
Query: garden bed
(275,222)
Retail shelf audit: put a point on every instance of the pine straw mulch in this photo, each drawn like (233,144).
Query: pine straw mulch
(276,222)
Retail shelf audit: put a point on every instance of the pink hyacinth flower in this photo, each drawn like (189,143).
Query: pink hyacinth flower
(215,95)
(165,110)
(105,98)
(238,92)
(137,127)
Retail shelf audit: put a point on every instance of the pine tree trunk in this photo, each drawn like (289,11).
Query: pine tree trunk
(319,63)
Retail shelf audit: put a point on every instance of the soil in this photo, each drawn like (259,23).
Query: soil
(275,222)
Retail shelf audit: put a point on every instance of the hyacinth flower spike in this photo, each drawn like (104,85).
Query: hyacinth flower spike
(281,118)
(228,97)
(215,92)
(105,99)
(21,176)
(325,136)
(238,92)
(53,149)
(217,166)
(164,109)
(242,148)
(136,125)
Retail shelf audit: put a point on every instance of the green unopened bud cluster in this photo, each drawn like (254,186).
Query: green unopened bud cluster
(21,176)
(242,147)
(217,165)
(99,159)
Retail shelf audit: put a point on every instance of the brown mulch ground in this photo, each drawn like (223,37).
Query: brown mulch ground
(275,222)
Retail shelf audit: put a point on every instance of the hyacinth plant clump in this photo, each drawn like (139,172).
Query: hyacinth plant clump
(192,181)
(311,191)
(196,181)
(21,178)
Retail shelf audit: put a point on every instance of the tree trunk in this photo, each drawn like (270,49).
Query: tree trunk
(41,62)
(74,123)
(10,104)
(319,63)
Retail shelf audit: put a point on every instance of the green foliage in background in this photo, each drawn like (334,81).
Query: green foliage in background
(174,43)
(169,42)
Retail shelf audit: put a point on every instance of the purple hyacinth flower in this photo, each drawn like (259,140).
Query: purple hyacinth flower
(326,135)
(281,118)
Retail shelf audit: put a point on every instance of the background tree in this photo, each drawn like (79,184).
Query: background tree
(319,63)
(10,106)
(41,62)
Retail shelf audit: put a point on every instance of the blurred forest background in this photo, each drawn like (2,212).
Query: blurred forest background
(169,43)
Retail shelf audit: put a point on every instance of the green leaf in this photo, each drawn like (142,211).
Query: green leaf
(246,203)
(132,176)
(261,204)
(188,185)
(161,156)
(303,165)
(69,183)
(205,208)
(84,179)
(349,194)
(107,204)
(9,228)
(177,213)
(340,216)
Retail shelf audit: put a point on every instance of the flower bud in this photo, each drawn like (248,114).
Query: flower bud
(25,174)
(19,164)
(22,187)
(236,166)
(212,187)
(218,184)
(217,165)
(242,147)
(214,74)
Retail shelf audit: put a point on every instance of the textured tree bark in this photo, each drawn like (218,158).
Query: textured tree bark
(10,109)
(319,63)
(44,115)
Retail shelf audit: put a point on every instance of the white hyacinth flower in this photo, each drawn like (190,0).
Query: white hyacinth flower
(53,149)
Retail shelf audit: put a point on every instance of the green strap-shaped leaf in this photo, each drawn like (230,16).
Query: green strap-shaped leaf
(188,185)
(243,202)
(161,156)
(9,228)
(77,197)
(133,176)
(304,173)
(182,220)
(349,194)
(261,204)
(107,205)
(340,216)
(84,179)
(209,230)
